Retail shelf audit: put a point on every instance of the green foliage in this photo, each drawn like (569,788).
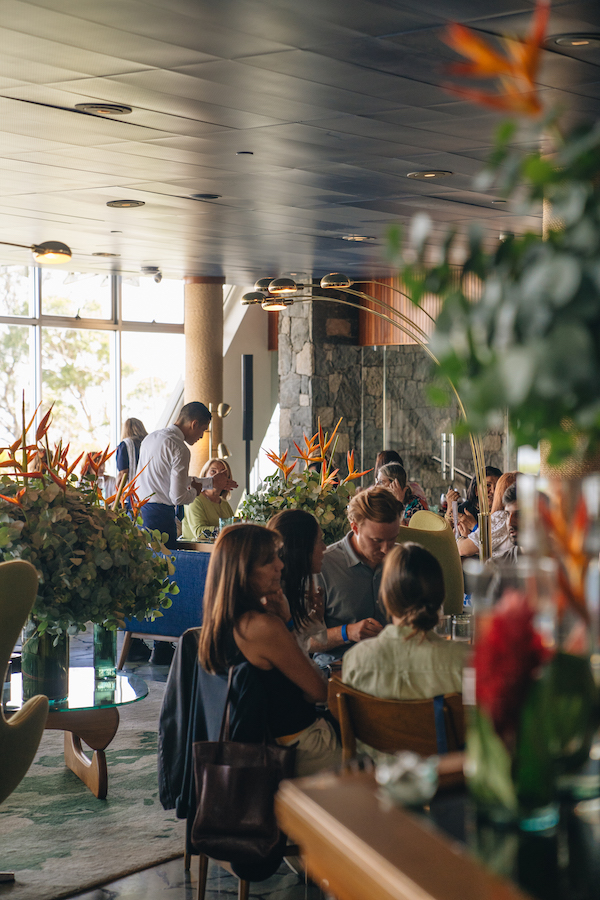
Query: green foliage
(94,563)
(531,344)
(302,491)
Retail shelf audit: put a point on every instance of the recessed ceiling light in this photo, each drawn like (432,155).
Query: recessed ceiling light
(429,175)
(497,202)
(575,40)
(106,254)
(104,109)
(245,153)
(205,196)
(359,238)
(125,204)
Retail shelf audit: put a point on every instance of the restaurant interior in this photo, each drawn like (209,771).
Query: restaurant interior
(226,202)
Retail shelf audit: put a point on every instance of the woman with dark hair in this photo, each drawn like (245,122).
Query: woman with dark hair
(384,458)
(408,660)
(501,542)
(393,477)
(245,618)
(302,556)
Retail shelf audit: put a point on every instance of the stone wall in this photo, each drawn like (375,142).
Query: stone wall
(324,373)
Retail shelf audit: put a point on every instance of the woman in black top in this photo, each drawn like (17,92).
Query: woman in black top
(243,600)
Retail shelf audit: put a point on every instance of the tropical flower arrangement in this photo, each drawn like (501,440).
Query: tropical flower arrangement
(94,563)
(319,491)
(530,344)
(535,716)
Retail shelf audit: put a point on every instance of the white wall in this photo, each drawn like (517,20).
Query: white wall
(250,337)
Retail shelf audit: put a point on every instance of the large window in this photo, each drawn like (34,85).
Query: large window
(151,369)
(65,340)
(76,379)
(15,379)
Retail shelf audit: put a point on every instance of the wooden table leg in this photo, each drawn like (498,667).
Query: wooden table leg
(97,728)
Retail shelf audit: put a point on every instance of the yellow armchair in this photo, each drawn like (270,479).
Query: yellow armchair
(21,734)
(434,533)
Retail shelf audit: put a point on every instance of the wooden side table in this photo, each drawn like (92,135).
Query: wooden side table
(89,714)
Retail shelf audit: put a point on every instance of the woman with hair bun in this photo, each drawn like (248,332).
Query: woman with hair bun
(408,660)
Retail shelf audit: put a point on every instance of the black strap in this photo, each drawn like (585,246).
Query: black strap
(224,732)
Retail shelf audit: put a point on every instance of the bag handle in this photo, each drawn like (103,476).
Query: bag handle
(224,732)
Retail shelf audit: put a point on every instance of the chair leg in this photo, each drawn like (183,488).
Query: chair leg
(243,889)
(125,649)
(202,873)
(187,861)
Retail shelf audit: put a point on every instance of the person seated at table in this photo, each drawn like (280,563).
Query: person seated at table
(468,544)
(245,618)
(511,505)
(492,474)
(302,556)
(351,573)
(209,506)
(384,457)
(393,477)
(408,660)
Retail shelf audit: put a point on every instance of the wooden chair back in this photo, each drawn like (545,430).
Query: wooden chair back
(392,725)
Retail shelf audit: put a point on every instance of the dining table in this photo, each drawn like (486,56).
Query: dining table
(357,844)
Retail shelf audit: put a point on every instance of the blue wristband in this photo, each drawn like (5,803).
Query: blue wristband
(290,625)
(345,634)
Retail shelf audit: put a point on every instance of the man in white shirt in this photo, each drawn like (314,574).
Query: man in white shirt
(165,459)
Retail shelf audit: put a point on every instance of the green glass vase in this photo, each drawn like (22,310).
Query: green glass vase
(105,653)
(44,664)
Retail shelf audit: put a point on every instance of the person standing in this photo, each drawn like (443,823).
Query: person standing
(128,451)
(163,471)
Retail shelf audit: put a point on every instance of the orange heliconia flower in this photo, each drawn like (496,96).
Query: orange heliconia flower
(352,474)
(567,534)
(328,477)
(311,454)
(279,461)
(516,70)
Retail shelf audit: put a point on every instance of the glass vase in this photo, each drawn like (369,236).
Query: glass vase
(105,653)
(44,664)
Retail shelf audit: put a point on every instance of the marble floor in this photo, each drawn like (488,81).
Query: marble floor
(169,881)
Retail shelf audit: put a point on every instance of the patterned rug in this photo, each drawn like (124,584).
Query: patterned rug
(59,839)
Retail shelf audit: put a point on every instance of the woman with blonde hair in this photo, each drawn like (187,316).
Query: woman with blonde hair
(245,619)
(408,660)
(128,451)
(209,506)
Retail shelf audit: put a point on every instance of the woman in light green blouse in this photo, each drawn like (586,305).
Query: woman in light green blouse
(209,506)
(408,660)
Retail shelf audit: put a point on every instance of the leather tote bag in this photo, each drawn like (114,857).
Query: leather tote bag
(235,791)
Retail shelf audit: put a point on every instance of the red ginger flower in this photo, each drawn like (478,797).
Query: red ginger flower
(505,660)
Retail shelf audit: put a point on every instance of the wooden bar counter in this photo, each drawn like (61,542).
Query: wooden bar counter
(358,848)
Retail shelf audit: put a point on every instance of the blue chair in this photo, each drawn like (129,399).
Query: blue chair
(191,567)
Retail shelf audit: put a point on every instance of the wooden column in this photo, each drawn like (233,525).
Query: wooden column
(204,354)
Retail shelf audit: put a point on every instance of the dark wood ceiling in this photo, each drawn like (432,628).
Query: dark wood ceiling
(337,100)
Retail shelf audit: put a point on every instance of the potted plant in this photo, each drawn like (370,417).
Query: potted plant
(316,489)
(94,563)
(530,344)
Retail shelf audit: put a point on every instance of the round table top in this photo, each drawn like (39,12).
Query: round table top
(85,691)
